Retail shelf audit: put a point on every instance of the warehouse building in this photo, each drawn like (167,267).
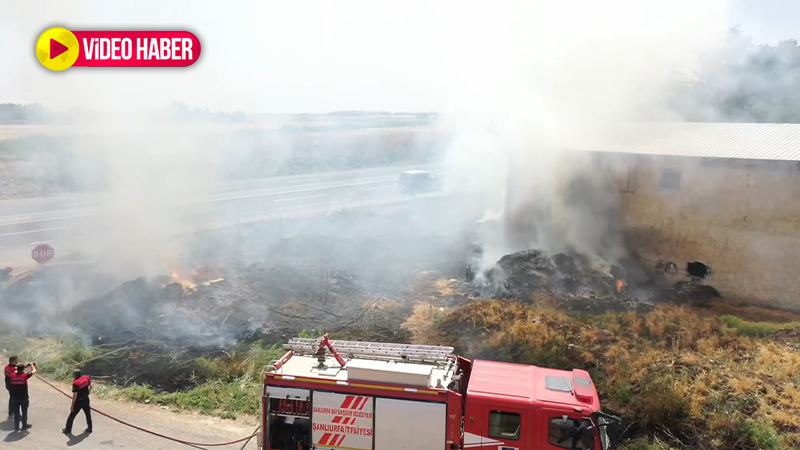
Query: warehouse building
(716,202)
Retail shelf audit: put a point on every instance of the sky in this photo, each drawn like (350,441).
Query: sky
(298,56)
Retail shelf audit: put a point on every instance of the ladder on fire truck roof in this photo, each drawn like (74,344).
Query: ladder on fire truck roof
(403,351)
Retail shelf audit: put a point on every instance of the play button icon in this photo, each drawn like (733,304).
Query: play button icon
(57,48)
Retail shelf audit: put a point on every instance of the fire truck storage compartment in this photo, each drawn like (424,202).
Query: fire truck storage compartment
(409,425)
(289,418)
(389,372)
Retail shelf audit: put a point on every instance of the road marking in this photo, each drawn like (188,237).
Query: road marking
(269,194)
(40,242)
(46,219)
(29,216)
(298,198)
(44,212)
(267,191)
(313,204)
(371,179)
(32,231)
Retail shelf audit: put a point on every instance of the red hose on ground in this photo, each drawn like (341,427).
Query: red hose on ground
(180,441)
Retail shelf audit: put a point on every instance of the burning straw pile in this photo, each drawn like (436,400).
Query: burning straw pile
(573,279)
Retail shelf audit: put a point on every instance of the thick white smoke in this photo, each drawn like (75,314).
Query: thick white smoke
(532,79)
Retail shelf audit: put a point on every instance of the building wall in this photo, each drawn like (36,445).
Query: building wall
(741,218)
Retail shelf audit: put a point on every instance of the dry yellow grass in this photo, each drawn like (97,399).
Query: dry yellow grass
(673,367)
(422,322)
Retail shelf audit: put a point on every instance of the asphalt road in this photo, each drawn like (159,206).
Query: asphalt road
(48,412)
(63,220)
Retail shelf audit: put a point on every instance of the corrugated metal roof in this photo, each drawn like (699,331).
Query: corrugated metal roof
(761,141)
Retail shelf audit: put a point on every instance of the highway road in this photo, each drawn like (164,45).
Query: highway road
(63,220)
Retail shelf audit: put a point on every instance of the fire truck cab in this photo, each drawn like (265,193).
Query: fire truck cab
(354,395)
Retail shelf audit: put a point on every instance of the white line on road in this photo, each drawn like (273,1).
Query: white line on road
(20,217)
(32,231)
(40,242)
(44,212)
(47,219)
(89,211)
(298,198)
(268,194)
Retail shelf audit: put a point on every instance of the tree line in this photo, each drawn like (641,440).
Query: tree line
(743,82)
(740,82)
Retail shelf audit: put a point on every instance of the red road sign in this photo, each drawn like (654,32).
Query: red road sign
(42,253)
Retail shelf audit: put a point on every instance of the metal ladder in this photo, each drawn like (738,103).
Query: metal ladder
(403,351)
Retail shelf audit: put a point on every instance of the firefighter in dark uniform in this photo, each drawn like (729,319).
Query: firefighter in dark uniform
(9,370)
(81,388)
(19,394)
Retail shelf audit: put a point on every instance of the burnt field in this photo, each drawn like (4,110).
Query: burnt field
(347,273)
(672,359)
(358,275)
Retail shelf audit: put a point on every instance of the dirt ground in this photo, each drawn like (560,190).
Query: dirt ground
(49,409)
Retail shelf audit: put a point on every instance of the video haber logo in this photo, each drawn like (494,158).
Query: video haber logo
(58,48)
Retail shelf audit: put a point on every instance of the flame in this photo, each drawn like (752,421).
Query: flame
(200,276)
(188,285)
(620,285)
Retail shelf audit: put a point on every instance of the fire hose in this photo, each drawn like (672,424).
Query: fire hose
(154,433)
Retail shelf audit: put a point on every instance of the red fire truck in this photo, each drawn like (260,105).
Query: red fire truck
(329,394)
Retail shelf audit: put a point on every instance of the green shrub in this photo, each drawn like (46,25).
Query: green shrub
(644,444)
(759,329)
(138,393)
(311,334)
(227,385)
(213,369)
(212,398)
(623,394)
(243,364)
(762,435)
(56,356)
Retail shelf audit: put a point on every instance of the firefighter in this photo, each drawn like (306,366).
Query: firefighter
(81,388)
(470,274)
(10,369)
(19,394)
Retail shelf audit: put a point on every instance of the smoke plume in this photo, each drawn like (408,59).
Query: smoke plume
(540,77)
